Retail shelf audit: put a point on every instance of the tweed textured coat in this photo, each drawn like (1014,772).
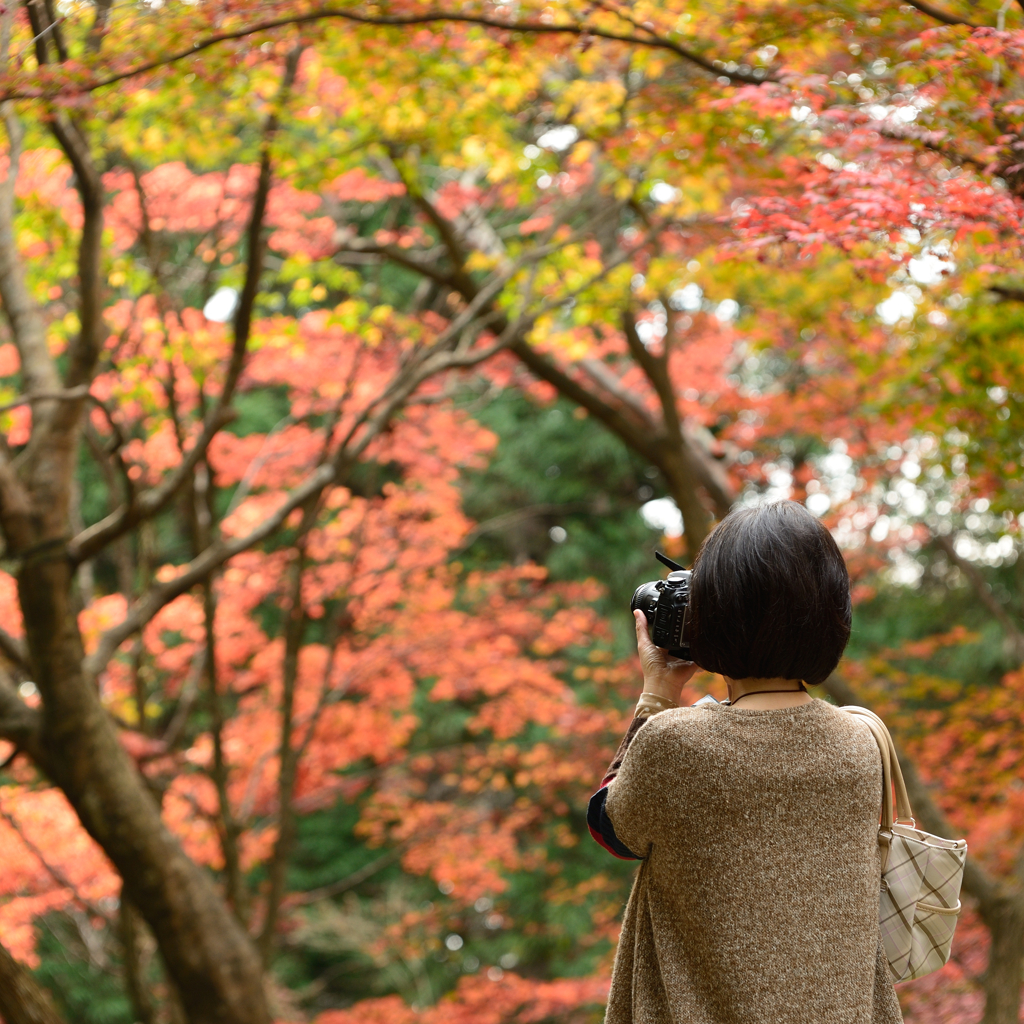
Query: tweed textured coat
(757,898)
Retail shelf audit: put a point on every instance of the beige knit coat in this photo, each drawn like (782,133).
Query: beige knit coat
(757,900)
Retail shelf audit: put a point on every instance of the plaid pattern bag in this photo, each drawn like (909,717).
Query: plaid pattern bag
(921,874)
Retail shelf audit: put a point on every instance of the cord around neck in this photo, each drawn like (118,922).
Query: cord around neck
(751,693)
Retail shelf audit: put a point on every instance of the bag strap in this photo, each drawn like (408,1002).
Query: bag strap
(892,774)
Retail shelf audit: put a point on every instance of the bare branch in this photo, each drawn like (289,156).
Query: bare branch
(908,134)
(708,470)
(546,369)
(84,350)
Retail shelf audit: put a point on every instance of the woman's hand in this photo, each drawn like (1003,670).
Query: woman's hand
(664,675)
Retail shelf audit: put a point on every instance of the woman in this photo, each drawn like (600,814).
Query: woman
(757,819)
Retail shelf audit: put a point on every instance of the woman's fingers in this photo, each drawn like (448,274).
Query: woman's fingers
(655,662)
(640,620)
(644,645)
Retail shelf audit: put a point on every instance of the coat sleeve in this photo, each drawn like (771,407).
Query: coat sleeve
(636,794)
(598,822)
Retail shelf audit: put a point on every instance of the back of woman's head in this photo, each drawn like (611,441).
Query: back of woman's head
(770,596)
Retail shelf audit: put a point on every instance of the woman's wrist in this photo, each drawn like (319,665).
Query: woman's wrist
(668,689)
(653,704)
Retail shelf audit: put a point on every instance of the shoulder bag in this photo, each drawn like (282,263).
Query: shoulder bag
(921,874)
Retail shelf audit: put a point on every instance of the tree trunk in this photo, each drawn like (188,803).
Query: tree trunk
(212,961)
(22,999)
(696,519)
(1003,978)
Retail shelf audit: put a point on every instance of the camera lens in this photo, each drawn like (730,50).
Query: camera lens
(646,599)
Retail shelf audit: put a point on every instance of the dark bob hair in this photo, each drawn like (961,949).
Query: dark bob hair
(770,596)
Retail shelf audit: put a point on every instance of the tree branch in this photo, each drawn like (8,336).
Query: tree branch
(22,999)
(96,537)
(303,899)
(20,724)
(27,325)
(984,593)
(940,15)
(519,515)
(295,632)
(451,350)
(230,829)
(649,40)
(698,461)
(52,870)
(14,650)
(83,350)
(401,257)
(1008,293)
(602,375)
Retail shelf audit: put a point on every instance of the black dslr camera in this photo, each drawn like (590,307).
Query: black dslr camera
(666,605)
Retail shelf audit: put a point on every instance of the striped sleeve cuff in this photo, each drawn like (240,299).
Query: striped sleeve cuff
(600,826)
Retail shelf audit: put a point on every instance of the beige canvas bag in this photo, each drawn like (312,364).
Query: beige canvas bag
(921,874)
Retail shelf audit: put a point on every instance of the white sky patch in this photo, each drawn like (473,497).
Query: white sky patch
(650,331)
(837,480)
(818,503)
(929,266)
(663,192)
(903,114)
(688,298)
(906,571)
(221,305)
(727,309)
(663,514)
(559,138)
(780,486)
(899,306)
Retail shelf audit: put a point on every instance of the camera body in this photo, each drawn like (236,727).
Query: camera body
(666,603)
